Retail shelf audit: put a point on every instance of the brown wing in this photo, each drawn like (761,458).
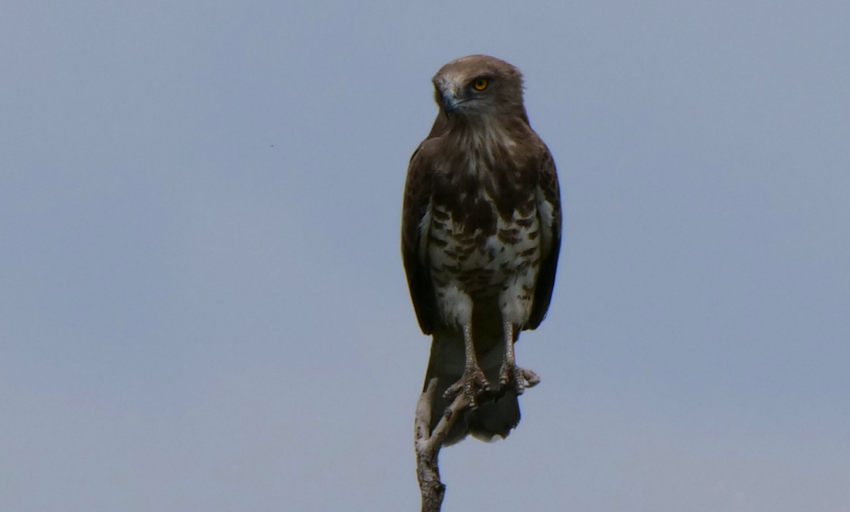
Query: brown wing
(417,201)
(549,196)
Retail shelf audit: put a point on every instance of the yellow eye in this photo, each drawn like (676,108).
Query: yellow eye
(479,84)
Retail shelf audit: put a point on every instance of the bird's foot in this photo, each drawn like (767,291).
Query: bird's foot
(517,378)
(473,384)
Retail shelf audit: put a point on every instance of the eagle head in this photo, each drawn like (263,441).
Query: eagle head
(478,85)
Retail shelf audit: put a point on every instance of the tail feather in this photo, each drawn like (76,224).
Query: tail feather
(493,417)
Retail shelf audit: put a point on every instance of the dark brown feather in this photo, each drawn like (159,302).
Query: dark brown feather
(548,183)
(417,197)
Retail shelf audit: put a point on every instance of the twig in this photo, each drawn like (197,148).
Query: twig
(428,445)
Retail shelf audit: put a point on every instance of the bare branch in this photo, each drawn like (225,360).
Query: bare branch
(428,445)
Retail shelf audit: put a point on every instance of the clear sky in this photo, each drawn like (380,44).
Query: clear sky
(203,307)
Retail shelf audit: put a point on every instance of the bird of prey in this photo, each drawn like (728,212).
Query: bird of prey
(481,232)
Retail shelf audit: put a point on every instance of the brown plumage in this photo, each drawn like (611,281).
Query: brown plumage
(481,231)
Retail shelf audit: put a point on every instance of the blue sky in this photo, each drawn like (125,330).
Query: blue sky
(202,304)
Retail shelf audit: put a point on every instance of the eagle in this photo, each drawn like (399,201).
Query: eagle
(480,237)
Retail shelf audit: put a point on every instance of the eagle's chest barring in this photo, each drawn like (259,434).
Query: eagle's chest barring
(482,260)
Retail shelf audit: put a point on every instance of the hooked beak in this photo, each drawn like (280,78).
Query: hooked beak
(449,101)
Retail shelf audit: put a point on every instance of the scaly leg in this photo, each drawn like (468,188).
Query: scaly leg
(473,383)
(510,373)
